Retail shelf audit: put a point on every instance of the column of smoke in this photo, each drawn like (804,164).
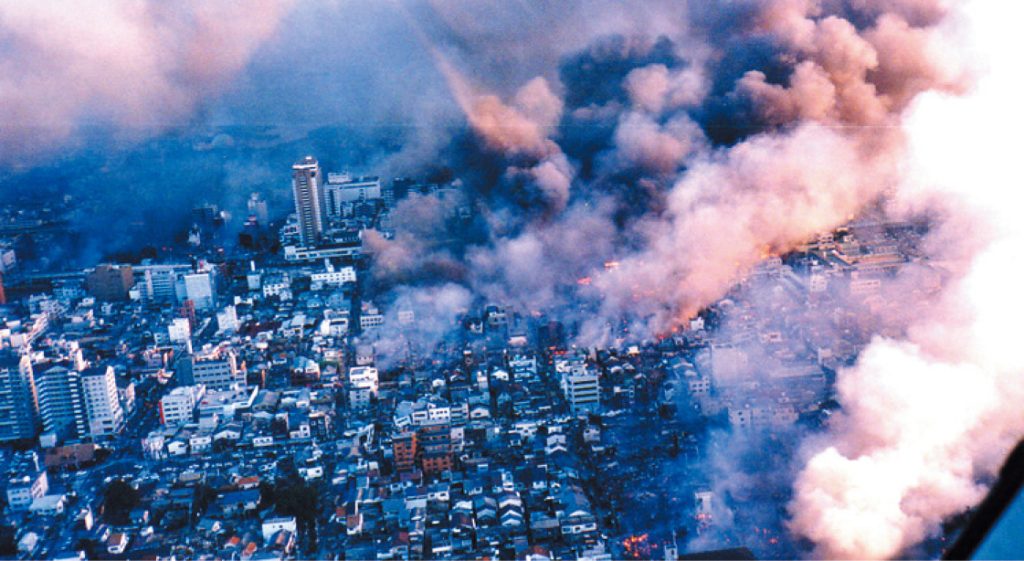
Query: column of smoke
(927,418)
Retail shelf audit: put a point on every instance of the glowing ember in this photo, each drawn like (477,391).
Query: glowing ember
(637,547)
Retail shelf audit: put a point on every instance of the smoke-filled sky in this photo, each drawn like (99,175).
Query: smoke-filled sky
(681,141)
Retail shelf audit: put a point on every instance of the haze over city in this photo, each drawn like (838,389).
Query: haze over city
(595,279)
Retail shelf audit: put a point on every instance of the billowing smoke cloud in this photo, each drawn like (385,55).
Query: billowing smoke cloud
(731,207)
(417,320)
(825,110)
(926,419)
(519,129)
(850,72)
(655,88)
(141,66)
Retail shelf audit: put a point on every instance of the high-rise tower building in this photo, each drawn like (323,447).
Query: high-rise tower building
(61,405)
(19,409)
(308,202)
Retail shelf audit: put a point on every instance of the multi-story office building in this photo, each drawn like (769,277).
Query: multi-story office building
(215,369)
(582,388)
(257,207)
(159,282)
(342,189)
(179,405)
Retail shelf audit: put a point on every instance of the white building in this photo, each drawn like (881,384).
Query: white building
(102,406)
(363,382)
(272,526)
(199,288)
(28,481)
(331,276)
(762,415)
(60,402)
(179,330)
(158,282)
(334,325)
(297,254)
(342,189)
(225,403)
(276,285)
(177,407)
(227,319)
(18,401)
(370,316)
(582,388)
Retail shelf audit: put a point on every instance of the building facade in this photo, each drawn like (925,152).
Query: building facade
(61,407)
(102,404)
(19,405)
(306,189)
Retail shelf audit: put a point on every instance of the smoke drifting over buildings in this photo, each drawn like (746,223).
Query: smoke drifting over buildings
(137,66)
(929,417)
(627,164)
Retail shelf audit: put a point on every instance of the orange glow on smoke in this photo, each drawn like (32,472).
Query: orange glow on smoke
(637,547)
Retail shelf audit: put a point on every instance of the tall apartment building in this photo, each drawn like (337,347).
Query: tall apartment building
(308,200)
(102,405)
(404,447)
(19,406)
(61,407)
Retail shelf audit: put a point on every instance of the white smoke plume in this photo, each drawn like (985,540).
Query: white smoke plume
(926,420)
(522,127)
(655,88)
(137,65)
(768,193)
(733,206)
